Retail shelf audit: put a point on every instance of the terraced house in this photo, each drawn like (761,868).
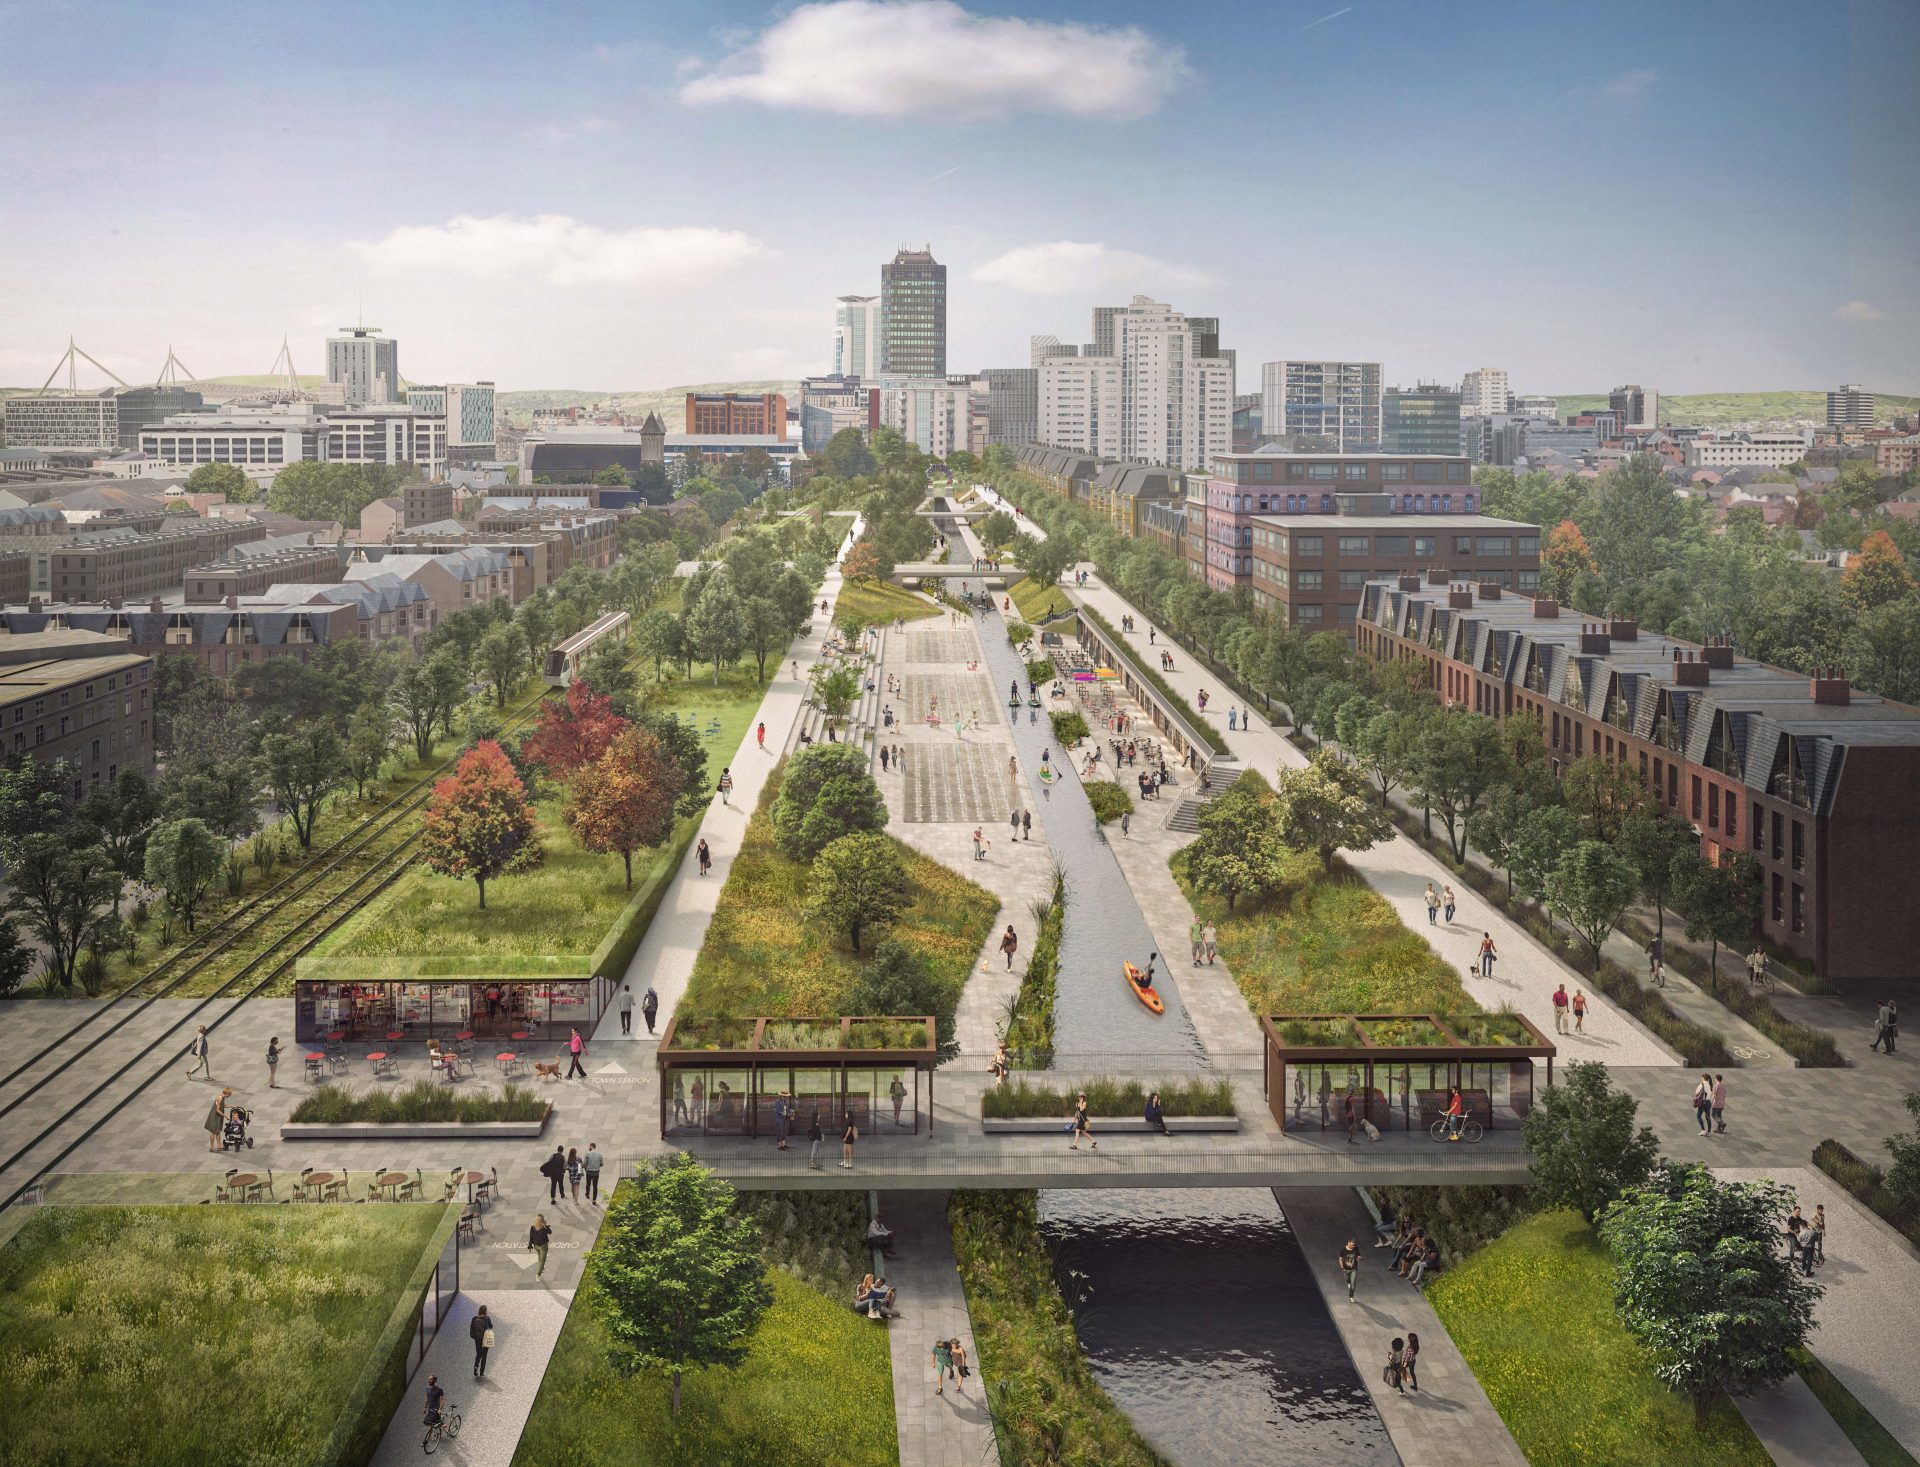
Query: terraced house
(1820,783)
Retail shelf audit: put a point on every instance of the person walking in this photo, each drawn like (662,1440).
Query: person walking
(1210,940)
(480,1331)
(1026,825)
(217,1118)
(1433,904)
(979,845)
(897,1093)
(1719,1105)
(1082,1126)
(1351,1115)
(1893,1024)
(680,1116)
(704,856)
(539,1239)
(1447,905)
(885,755)
(626,1008)
(575,1174)
(1010,944)
(726,786)
(593,1163)
(200,1053)
(1196,934)
(813,1140)
(1396,1364)
(1487,954)
(554,1169)
(942,1365)
(1126,822)
(1350,1265)
(1879,1025)
(1703,1104)
(782,1119)
(273,1063)
(1815,1252)
(649,1006)
(761,734)
(960,1370)
(1579,1010)
(1408,1370)
(1560,1003)
(575,1045)
(848,1136)
(1013,822)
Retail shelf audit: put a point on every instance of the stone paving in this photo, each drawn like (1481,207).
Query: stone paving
(958,782)
(953,1428)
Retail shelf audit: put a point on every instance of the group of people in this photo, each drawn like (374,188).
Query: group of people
(649,1005)
(1563,1005)
(1414,1249)
(890,755)
(1150,781)
(568,1168)
(1710,1104)
(1807,1239)
(876,1298)
(1205,938)
(1886,1027)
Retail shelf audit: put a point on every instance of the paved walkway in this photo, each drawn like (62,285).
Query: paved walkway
(1448,1422)
(952,1429)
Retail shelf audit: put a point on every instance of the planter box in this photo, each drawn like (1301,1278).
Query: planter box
(1106,1125)
(414,1130)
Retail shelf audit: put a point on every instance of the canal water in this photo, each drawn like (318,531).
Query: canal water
(1197,1313)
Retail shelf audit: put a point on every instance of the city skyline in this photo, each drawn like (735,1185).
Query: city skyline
(1435,190)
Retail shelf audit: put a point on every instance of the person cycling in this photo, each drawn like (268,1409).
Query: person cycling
(1656,963)
(1454,1114)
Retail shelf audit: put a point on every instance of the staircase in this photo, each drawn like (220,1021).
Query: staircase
(1222,775)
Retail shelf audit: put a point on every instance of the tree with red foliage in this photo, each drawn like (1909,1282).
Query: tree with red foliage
(624,800)
(1565,557)
(479,823)
(1876,574)
(862,563)
(573,731)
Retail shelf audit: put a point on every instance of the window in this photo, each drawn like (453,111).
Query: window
(1774,904)
(1296,471)
(1733,816)
(1776,841)
(1423,546)
(1353,471)
(1713,805)
(1696,797)
(1354,544)
(1799,908)
(1463,545)
(1497,545)
(1528,544)
(1529,580)
(1348,615)
(1308,547)
(1469,504)
(1457,474)
(1799,847)
(1426,473)
(1307,580)
(1353,580)
(1394,473)
(1319,471)
(1308,613)
(1390,544)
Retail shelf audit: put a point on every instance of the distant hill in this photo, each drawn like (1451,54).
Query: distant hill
(1725,409)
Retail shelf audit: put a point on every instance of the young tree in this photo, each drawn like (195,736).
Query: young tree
(302,769)
(827,792)
(1703,1282)
(117,818)
(858,882)
(370,734)
(1495,829)
(1384,745)
(1651,841)
(572,731)
(33,800)
(681,743)
(1603,794)
(416,706)
(657,637)
(1043,560)
(1585,1149)
(764,628)
(897,981)
(624,800)
(1460,757)
(184,859)
(1719,904)
(1327,807)
(997,529)
(533,626)
(716,626)
(446,678)
(1543,836)
(1240,850)
(1877,574)
(836,688)
(498,660)
(1589,889)
(862,564)
(60,895)
(479,822)
(677,1279)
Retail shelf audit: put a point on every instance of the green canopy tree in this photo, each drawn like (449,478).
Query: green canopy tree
(1604,794)
(302,769)
(184,859)
(497,659)
(1719,903)
(828,791)
(1240,850)
(1541,836)
(836,688)
(676,1278)
(1581,1137)
(1327,808)
(716,626)
(1651,842)
(1385,745)
(117,817)
(227,479)
(1589,889)
(370,736)
(898,980)
(1704,1283)
(1459,759)
(858,883)
(657,636)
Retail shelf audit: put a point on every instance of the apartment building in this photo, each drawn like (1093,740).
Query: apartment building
(1747,450)
(733,413)
(1485,390)
(1637,408)
(222,636)
(82,698)
(829,405)
(1080,404)
(256,575)
(1123,492)
(112,565)
(1818,782)
(1420,419)
(1337,401)
(1850,407)
(937,414)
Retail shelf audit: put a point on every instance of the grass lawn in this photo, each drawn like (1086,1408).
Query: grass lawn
(733,701)
(877,601)
(195,1335)
(1872,1440)
(1533,1315)
(1033,597)
(1326,945)
(816,1388)
(762,956)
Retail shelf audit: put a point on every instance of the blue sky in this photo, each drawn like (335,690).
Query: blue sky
(1699,196)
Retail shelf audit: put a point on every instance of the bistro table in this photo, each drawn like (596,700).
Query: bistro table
(520,1036)
(464,1035)
(387,1181)
(243,1181)
(507,1060)
(315,1184)
(394,1036)
(316,1062)
(336,1035)
(473,1179)
(379,1060)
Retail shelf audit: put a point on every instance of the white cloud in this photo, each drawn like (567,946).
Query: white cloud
(896,58)
(1630,86)
(1860,311)
(1068,265)
(563,251)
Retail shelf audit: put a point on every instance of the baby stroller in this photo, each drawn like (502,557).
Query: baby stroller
(233,1131)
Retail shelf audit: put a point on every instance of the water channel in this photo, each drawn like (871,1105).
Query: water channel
(1197,1313)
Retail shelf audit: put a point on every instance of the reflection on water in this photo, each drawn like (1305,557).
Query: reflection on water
(1197,1313)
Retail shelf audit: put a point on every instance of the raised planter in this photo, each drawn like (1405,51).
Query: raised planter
(1106,1125)
(413,1130)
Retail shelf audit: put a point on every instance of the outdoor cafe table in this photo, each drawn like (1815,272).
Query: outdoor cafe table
(387,1181)
(473,1179)
(241,1181)
(394,1036)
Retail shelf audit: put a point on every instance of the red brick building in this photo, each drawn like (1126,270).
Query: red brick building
(1818,782)
(731,414)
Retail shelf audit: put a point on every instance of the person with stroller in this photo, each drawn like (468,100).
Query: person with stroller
(217,1119)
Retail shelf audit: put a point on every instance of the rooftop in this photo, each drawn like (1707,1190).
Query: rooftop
(1391,522)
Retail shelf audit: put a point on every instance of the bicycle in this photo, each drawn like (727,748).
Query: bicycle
(446,1428)
(1659,974)
(1469,1130)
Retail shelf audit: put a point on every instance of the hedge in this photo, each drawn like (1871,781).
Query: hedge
(1867,1183)
(1110,801)
(1029,1033)
(1109,1097)
(424,1100)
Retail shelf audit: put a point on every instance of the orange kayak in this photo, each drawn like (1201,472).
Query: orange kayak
(1141,991)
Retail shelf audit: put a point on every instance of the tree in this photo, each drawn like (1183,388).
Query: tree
(1327,807)
(227,479)
(857,883)
(716,626)
(898,981)
(1385,745)
(657,637)
(862,564)
(1459,758)
(1589,889)
(311,490)
(1498,828)
(1544,834)
(1651,841)
(573,731)
(847,456)
(681,743)
(1883,649)
(33,801)
(1603,794)
(1704,1284)
(370,734)
(498,658)
(1876,575)
(417,706)
(60,895)
(302,769)
(1903,1177)
(1044,561)
(997,529)
(16,959)
(677,1278)
(607,669)
(446,676)
(765,630)
(1585,1149)
(828,791)
(624,800)
(479,821)
(1564,559)
(1719,903)
(533,625)
(613,476)
(184,859)
(836,688)
(1240,850)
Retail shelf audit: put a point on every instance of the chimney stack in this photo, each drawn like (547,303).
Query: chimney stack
(1831,687)
(1688,670)
(156,605)
(1623,628)
(1409,582)
(1594,640)
(33,604)
(1718,652)
(1459,598)
(1438,577)
(233,603)
(1489,590)
(1546,607)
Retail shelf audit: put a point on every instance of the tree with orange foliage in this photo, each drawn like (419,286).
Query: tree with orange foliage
(479,822)
(624,800)
(572,731)
(862,563)
(1564,558)
(1875,575)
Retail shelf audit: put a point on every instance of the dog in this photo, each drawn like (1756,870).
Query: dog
(547,1069)
(1373,1131)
